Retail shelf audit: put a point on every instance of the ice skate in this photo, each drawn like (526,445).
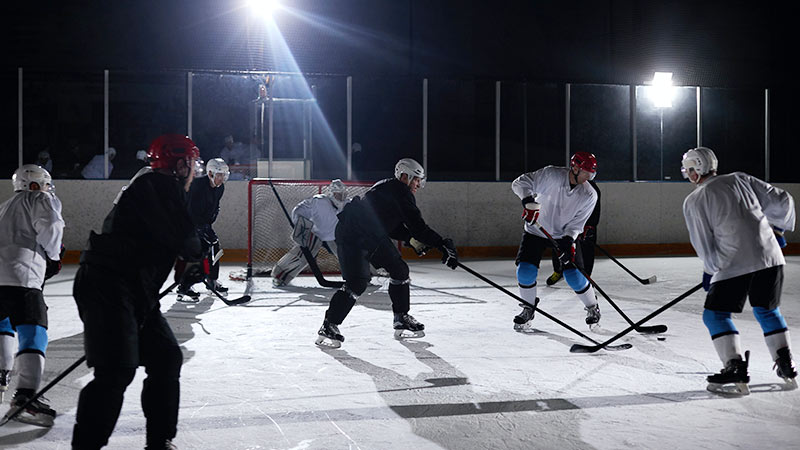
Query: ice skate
(5,380)
(406,326)
(522,321)
(188,295)
(785,368)
(277,282)
(166,445)
(36,413)
(593,316)
(554,278)
(216,286)
(732,379)
(329,336)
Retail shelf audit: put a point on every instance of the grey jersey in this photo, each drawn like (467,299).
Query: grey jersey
(730,219)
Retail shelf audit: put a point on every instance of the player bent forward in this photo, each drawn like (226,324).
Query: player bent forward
(314,225)
(364,236)
(31,228)
(561,201)
(736,224)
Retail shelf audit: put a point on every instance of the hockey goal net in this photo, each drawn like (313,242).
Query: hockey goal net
(269,229)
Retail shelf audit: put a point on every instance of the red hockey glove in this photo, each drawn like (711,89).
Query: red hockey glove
(530,210)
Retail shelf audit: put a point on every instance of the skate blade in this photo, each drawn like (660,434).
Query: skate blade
(408,334)
(737,389)
(791,384)
(326,342)
(526,327)
(40,420)
(188,299)
(595,327)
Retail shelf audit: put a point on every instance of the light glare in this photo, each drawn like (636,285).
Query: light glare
(662,91)
(264,8)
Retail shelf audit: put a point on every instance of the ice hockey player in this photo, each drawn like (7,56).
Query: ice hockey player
(203,200)
(560,200)
(364,236)
(314,224)
(586,241)
(736,224)
(117,293)
(31,229)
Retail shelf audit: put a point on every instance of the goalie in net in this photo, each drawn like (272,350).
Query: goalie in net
(314,226)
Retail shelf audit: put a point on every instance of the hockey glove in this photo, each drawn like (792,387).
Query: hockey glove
(706,281)
(588,233)
(567,249)
(449,254)
(193,274)
(420,248)
(779,237)
(53,267)
(530,210)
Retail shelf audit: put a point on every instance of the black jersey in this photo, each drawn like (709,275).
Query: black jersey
(203,201)
(594,219)
(144,233)
(395,207)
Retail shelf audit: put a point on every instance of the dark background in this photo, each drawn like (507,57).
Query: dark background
(733,50)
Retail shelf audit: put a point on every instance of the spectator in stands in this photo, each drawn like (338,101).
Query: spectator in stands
(94,169)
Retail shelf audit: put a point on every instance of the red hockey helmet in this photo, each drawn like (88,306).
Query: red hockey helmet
(167,149)
(585,161)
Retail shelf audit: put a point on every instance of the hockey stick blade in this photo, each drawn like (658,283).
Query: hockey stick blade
(234,302)
(640,280)
(580,348)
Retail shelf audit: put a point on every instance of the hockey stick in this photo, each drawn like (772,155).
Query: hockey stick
(640,280)
(654,329)
(234,302)
(14,412)
(554,319)
(312,262)
(578,348)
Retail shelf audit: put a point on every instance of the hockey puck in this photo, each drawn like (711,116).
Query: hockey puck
(660,338)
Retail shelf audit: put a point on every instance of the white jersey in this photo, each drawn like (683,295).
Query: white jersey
(321,211)
(31,228)
(730,219)
(563,211)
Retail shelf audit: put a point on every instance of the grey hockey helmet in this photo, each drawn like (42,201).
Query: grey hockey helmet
(337,192)
(701,159)
(218,165)
(28,174)
(411,168)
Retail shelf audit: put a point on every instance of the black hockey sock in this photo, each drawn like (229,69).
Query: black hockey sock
(341,304)
(401,297)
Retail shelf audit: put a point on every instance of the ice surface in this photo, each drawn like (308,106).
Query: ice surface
(253,378)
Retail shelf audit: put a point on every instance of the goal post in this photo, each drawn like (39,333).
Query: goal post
(269,234)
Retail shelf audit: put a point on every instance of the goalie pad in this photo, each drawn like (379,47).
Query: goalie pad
(302,233)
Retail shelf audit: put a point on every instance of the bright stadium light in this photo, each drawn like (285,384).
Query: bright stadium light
(662,91)
(264,8)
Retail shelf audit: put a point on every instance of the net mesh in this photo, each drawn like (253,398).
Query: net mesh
(270,233)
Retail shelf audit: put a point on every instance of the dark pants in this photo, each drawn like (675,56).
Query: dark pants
(118,340)
(358,246)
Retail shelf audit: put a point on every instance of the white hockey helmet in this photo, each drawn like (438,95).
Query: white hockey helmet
(701,159)
(411,168)
(337,192)
(31,173)
(218,165)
